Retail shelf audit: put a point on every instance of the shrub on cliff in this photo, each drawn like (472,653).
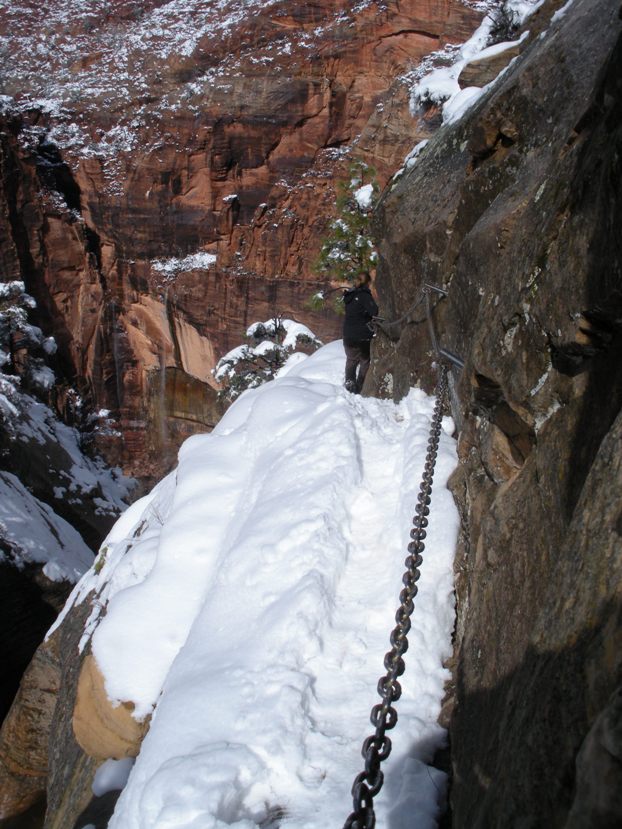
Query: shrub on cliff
(348,247)
(270,344)
(23,348)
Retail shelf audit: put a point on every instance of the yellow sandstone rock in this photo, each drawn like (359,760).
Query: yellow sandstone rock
(102,730)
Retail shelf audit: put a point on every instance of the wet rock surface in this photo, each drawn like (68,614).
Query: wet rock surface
(516,210)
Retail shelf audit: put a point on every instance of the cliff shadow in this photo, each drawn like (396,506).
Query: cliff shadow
(597,193)
(25,617)
(543,711)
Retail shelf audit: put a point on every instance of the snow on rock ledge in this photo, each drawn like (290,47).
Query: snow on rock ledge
(251,595)
(34,533)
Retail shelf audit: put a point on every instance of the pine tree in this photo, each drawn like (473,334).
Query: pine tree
(23,348)
(348,247)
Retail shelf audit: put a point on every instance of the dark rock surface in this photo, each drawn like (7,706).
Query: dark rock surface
(598,799)
(70,770)
(40,760)
(25,616)
(517,210)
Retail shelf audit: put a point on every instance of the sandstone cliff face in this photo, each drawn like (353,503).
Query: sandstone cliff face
(168,171)
(517,211)
(144,132)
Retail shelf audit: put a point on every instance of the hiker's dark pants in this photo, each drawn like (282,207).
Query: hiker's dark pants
(357,356)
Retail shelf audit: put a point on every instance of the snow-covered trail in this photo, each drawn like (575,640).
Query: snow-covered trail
(251,596)
(391,443)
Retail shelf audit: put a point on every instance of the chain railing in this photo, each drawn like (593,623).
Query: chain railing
(377,747)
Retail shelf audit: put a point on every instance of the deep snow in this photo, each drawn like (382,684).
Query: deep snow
(250,598)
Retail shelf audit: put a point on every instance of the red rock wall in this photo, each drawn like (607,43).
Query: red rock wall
(229,143)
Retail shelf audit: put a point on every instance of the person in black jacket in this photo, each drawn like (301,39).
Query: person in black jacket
(361,308)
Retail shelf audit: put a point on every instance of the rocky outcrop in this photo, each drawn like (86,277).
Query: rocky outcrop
(42,766)
(23,759)
(101,730)
(145,134)
(516,211)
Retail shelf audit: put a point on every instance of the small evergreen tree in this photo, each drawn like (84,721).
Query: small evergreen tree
(348,247)
(269,345)
(23,348)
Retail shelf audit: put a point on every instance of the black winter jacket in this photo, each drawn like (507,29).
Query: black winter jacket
(360,308)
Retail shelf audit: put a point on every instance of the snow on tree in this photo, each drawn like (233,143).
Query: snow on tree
(14,306)
(348,247)
(23,348)
(270,344)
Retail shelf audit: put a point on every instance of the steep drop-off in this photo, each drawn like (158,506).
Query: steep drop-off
(138,134)
(516,210)
(57,500)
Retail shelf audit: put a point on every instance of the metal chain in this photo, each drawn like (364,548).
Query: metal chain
(377,747)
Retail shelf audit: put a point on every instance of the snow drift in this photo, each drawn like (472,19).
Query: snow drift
(249,600)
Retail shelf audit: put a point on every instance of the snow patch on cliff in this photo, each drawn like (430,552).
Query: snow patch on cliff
(34,533)
(47,453)
(435,81)
(135,62)
(364,196)
(31,530)
(249,598)
(200,261)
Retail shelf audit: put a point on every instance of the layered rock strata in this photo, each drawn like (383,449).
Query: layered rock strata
(516,211)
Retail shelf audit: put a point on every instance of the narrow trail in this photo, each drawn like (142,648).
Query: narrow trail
(373,532)
(366,598)
(299,504)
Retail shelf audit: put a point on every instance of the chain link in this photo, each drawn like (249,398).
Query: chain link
(377,747)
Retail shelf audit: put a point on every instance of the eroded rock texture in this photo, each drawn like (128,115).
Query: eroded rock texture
(517,211)
(159,130)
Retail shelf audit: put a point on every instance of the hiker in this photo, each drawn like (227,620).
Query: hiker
(361,308)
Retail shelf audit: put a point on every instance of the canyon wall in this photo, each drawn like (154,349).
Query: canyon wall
(169,173)
(516,211)
(185,196)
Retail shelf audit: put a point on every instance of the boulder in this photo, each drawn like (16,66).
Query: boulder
(485,68)
(102,730)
